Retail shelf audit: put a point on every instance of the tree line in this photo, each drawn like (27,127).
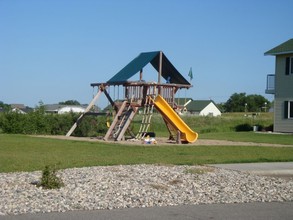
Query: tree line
(240,102)
(38,122)
(237,102)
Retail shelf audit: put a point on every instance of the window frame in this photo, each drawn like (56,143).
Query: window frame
(289,109)
(291,65)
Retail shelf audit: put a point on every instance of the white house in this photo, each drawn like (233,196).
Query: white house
(61,109)
(67,109)
(203,108)
(17,110)
(20,108)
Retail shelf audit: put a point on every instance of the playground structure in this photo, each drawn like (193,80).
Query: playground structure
(144,95)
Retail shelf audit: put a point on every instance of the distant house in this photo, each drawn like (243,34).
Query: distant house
(203,108)
(20,108)
(280,85)
(61,109)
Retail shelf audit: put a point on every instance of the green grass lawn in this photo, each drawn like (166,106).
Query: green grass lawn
(272,138)
(26,153)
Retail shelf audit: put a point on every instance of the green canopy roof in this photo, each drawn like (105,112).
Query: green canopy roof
(169,72)
(284,48)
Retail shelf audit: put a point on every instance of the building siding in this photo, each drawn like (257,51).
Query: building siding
(211,110)
(283,92)
(282,124)
(283,82)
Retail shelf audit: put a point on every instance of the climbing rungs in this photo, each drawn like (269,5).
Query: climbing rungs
(115,121)
(146,120)
(126,124)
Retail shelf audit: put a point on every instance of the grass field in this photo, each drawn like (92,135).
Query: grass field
(26,153)
(203,125)
(257,137)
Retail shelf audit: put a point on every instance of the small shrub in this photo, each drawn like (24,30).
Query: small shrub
(49,179)
(269,128)
(243,127)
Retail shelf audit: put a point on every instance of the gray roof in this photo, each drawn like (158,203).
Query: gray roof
(284,48)
(19,106)
(52,107)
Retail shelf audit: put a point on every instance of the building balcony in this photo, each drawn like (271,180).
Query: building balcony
(270,84)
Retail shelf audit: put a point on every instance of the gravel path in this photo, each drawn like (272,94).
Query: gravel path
(112,187)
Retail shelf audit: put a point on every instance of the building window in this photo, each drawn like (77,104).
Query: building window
(288,109)
(289,65)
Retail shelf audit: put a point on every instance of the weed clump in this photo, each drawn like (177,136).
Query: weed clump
(243,127)
(49,179)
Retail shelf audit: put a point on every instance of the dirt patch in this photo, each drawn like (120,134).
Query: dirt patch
(165,141)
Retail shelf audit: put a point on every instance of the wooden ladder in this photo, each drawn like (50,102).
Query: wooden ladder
(146,118)
(121,122)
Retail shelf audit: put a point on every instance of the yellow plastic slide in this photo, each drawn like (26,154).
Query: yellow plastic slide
(174,120)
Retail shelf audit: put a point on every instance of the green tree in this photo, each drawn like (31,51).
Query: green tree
(69,102)
(236,103)
(240,102)
(4,107)
(221,106)
(257,103)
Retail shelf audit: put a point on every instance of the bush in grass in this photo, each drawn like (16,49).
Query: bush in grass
(91,126)
(49,179)
(243,127)
(50,124)
(13,123)
(54,124)
(269,128)
(60,124)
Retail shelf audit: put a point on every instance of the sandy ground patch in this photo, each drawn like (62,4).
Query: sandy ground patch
(165,141)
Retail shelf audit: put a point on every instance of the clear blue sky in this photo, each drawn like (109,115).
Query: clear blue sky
(52,50)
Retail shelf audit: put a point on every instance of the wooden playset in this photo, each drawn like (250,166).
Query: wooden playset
(144,95)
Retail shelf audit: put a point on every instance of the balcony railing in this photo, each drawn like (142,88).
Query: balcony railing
(270,84)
